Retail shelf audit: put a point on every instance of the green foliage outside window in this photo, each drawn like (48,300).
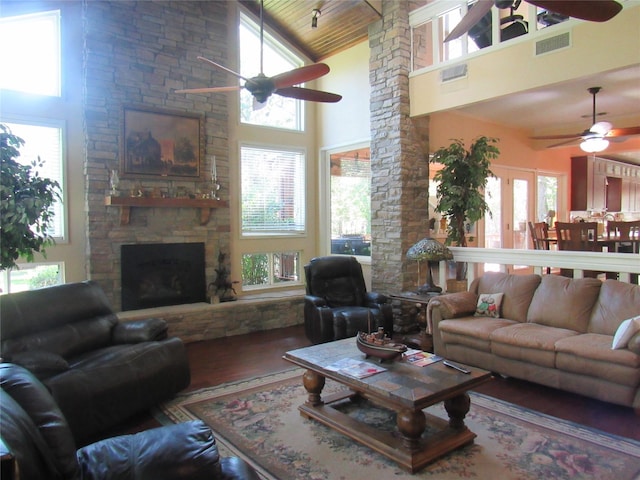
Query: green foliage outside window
(255,269)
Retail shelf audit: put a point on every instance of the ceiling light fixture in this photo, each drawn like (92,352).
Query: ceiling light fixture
(594,144)
(314,18)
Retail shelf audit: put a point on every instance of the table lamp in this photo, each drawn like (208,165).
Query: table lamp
(432,251)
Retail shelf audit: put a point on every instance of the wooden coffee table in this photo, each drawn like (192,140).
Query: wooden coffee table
(402,387)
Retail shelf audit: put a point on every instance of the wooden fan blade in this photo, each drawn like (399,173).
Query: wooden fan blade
(566,142)
(222,67)
(473,16)
(623,132)
(556,137)
(300,75)
(208,90)
(591,10)
(308,94)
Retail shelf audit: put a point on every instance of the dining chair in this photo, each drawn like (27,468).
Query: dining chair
(625,234)
(581,236)
(540,237)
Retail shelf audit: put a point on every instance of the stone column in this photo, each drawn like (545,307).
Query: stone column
(399,156)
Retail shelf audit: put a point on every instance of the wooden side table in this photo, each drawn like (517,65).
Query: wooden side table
(419,301)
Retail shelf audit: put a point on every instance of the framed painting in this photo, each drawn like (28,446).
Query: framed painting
(158,143)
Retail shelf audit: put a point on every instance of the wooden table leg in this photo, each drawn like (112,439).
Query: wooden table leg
(313,384)
(411,424)
(457,408)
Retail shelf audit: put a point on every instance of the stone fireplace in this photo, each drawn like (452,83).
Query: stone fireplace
(161,274)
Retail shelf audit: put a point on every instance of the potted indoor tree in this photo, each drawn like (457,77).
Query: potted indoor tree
(25,204)
(460,190)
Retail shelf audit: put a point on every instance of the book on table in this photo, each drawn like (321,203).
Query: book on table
(355,368)
(420,358)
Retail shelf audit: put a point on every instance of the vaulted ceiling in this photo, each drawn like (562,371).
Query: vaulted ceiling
(340,23)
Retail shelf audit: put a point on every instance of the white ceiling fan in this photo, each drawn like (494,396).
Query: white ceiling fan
(596,138)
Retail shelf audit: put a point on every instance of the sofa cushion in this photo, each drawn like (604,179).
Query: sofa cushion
(528,342)
(23,313)
(104,386)
(518,291)
(617,302)
(489,305)
(454,305)
(36,414)
(590,354)
(634,344)
(563,302)
(66,340)
(626,330)
(41,363)
(473,332)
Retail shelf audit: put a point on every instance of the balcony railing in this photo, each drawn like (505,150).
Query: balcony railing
(507,260)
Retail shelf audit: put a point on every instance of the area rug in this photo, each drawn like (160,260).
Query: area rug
(258,420)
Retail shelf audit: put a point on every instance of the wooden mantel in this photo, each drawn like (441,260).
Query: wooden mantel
(125,203)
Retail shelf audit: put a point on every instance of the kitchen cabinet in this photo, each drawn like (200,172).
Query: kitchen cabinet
(604,185)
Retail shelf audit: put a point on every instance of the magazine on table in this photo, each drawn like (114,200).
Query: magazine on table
(355,368)
(420,358)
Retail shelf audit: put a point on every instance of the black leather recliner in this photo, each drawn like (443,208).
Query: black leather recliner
(337,304)
(37,444)
(99,370)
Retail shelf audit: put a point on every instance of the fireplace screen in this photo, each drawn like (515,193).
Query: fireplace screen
(156,275)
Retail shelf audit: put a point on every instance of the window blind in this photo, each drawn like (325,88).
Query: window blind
(273,191)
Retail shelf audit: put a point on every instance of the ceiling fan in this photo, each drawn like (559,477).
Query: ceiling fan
(592,10)
(262,87)
(597,137)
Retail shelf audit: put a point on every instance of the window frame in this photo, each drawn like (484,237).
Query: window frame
(302,176)
(59,124)
(57,41)
(271,284)
(5,275)
(324,172)
(270,40)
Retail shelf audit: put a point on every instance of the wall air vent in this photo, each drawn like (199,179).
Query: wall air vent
(453,73)
(551,44)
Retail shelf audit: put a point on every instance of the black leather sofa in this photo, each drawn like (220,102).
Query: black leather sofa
(99,370)
(37,444)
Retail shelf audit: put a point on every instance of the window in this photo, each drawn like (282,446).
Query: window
(269,269)
(433,22)
(44,141)
(31,276)
(547,199)
(273,191)
(351,202)
(278,111)
(34,55)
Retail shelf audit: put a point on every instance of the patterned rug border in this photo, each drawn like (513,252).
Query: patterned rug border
(175,411)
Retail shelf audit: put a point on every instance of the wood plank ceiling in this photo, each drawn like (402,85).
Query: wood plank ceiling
(341,23)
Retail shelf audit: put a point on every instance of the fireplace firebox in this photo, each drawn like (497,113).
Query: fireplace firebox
(161,274)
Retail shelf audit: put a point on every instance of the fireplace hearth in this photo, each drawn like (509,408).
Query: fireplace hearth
(161,274)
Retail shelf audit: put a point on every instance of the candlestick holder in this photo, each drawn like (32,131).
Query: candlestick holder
(215,188)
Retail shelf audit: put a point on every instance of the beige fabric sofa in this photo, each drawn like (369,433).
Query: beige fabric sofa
(552,330)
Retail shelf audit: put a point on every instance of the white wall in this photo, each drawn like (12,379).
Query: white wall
(349,119)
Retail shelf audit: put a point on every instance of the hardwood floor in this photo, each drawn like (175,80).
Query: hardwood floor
(222,360)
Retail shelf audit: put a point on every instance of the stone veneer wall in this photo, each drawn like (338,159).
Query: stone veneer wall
(399,157)
(201,321)
(136,54)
